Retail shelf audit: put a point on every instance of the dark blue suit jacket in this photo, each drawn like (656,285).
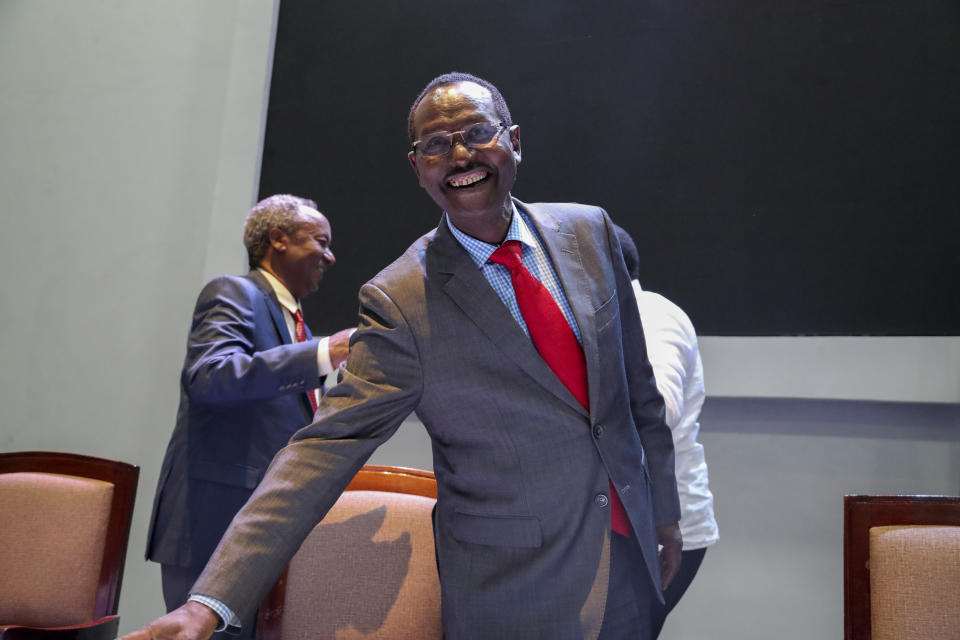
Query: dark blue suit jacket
(242,395)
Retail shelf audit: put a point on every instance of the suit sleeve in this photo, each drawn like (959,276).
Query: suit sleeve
(381,386)
(646,402)
(224,366)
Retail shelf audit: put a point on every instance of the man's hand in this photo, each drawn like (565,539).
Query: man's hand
(192,621)
(338,346)
(668,536)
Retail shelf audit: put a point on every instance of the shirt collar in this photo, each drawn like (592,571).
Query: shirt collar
(286,299)
(481,251)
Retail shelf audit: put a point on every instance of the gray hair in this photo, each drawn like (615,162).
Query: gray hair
(281,211)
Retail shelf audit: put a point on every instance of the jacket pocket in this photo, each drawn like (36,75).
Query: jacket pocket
(497,531)
(607,312)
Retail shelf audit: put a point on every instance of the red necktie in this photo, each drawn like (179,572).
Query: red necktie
(556,343)
(301,330)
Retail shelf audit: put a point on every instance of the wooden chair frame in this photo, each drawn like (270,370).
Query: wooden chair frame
(124,478)
(370,478)
(104,628)
(860,513)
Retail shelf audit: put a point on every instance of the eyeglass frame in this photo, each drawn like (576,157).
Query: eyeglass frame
(501,127)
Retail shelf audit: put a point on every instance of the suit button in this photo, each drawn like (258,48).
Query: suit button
(598,431)
(601,499)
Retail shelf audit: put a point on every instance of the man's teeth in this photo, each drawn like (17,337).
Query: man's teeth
(468,179)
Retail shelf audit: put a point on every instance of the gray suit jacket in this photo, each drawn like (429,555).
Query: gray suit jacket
(522,522)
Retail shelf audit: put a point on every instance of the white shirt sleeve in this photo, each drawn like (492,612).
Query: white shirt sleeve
(675,357)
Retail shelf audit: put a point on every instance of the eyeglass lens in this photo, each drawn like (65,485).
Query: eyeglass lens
(473,136)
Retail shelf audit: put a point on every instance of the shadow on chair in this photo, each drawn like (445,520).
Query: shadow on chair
(66,522)
(368,570)
(901,557)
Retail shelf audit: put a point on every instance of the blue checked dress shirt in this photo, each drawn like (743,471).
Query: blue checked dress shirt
(227,617)
(534,258)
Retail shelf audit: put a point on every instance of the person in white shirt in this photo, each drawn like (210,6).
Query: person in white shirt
(675,357)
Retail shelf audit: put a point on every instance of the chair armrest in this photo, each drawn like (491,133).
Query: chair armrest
(103,629)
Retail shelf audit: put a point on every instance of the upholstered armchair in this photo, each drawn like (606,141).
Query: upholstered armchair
(368,570)
(63,540)
(901,567)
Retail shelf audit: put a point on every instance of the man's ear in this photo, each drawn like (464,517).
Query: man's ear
(412,157)
(278,239)
(515,141)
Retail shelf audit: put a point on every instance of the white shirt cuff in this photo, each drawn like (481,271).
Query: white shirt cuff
(323,356)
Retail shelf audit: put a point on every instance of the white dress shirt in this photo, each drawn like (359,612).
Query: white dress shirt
(291,306)
(675,357)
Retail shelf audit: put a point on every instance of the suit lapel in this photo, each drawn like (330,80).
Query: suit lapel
(279,322)
(273,306)
(469,290)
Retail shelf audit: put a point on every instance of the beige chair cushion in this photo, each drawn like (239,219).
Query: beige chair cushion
(367,571)
(51,547)
(915,582)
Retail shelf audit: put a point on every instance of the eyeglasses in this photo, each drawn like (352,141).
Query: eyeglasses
(476,136)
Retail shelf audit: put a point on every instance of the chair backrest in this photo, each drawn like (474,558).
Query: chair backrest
(63,541)
(368,570)
(901,557)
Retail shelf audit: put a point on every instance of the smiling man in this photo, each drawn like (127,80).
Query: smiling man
(249,381)
(466,156)
(512,331)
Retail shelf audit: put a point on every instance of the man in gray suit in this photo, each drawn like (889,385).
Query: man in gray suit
(532,472)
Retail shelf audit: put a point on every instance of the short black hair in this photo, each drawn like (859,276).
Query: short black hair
(629,250)
(499,104)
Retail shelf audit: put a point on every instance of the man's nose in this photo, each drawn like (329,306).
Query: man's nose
(459,151)
(329,257)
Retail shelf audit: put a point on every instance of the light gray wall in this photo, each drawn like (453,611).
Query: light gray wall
(779,469)
(129,137)
(129,134)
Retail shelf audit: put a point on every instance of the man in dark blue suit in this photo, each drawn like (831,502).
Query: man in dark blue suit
(248,383)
